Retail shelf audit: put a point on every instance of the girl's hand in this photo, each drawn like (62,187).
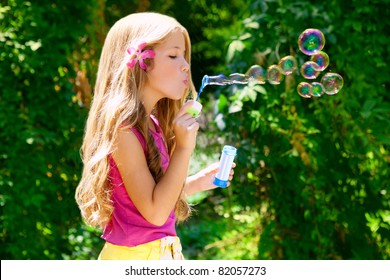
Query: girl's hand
(185,128)
(203,180)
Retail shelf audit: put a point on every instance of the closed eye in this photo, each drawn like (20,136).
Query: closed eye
(173,56)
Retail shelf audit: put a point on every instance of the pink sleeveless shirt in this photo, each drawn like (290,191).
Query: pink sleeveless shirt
(127,226)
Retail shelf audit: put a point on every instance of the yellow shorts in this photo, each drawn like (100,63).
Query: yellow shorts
(167,248)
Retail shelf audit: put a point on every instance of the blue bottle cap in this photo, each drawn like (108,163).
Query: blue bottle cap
(220,183)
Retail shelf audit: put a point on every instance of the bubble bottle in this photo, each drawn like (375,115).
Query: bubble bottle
(225,165)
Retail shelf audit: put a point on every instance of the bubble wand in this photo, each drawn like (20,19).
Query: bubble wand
(214,80)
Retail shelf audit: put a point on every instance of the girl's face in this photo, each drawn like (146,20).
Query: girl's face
(168,77)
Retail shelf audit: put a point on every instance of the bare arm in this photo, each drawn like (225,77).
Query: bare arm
(155,201)
(203,180)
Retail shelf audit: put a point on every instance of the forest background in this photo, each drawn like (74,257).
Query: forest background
(312,175)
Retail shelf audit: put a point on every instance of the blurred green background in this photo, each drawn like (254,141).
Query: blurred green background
(312,175)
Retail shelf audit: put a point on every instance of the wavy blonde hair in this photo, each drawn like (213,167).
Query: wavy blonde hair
(117,102)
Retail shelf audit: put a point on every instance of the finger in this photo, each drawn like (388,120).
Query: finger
(211,169)
(187,122)
(214,167)
(194,126)
(184,118)
(183,110)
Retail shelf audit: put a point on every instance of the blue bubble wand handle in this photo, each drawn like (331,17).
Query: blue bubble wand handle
(225,165)
(205,81)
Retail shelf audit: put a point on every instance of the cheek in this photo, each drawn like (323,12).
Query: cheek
(164,73)
(168,73)
(169,67)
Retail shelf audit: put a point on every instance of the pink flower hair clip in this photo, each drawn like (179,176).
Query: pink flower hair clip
(138,55)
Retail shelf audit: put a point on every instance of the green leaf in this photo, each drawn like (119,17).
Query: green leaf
(222,103)
(234,46)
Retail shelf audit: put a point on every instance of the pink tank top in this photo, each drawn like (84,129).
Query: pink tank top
(127,226)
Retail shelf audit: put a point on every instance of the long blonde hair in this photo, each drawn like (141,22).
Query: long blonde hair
(116,102)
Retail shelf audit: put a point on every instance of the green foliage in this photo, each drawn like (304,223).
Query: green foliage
(41,126)
(311,180)
(222,234)
(318,166)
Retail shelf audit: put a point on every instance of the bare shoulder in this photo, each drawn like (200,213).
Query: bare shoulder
(128,150)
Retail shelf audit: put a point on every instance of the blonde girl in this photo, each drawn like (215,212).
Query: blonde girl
(139,139)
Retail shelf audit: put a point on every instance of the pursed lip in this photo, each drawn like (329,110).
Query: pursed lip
(185,81)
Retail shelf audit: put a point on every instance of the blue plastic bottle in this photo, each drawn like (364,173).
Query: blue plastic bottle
(227,157)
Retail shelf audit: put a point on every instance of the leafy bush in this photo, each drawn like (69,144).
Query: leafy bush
(314,170)
(312,175)
(41,125)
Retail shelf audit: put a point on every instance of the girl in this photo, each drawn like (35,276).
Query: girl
(139,140)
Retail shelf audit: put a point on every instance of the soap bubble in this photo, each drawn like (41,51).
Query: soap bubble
(310,70)
(311,41)
(317,89)
(322,60)
(257,74)
(332,83)
(237,78)
(274,75)
(304,89)
(287,64)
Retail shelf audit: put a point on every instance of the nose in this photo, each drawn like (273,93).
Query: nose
(185,67)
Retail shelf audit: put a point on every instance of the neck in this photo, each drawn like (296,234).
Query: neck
(148,107)
(149,100)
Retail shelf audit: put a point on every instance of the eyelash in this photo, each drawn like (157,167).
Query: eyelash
(173,56)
